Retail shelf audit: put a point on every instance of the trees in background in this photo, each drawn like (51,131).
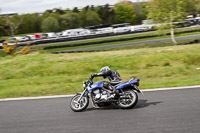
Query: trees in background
(69,21)
(106,13)
(10,25)
(167,12)
(89,17)
(50,24)
(124,13)
(141,11)
(31,23)
(57,19)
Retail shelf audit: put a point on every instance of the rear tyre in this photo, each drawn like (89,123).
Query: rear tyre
(82,105)
(130,101)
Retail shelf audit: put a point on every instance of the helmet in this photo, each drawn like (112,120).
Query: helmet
(105,69)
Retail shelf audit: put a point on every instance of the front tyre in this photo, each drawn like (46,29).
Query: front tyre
(83,103)
(128,100)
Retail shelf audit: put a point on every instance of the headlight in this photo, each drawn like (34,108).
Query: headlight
(84,85)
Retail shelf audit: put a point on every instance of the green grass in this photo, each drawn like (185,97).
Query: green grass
(54,74)
(2,54)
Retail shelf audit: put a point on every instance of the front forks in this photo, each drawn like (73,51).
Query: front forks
(78,101)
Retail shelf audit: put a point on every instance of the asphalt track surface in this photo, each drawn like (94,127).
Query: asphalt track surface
(169,111)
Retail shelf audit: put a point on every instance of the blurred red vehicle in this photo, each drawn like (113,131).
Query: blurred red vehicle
(39,36)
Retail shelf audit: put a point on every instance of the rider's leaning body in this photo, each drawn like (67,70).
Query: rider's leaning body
(112,75)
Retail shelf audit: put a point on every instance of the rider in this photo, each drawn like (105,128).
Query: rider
(112,75)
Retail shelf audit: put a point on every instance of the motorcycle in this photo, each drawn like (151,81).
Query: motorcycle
(125,96)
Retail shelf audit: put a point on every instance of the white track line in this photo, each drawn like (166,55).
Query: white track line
(33,98)
(172,88)
(61,96)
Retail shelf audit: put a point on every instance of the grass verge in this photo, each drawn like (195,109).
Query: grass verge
(49,74)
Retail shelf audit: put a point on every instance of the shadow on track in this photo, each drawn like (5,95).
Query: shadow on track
(145,103)
(140,104)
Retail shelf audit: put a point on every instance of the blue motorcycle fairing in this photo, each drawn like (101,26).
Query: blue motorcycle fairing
(80,93)
(94,86)
(132,81)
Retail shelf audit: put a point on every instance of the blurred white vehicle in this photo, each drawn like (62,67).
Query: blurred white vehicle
(120,28)
(30,37)
(21,39)
(10,41)
(59,34)
(104,30)
(15,40)
(75,32)
(139,28)
(50,35)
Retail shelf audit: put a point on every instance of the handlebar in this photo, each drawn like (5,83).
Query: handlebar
(90,79)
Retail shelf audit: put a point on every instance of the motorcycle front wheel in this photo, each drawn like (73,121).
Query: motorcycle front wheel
(81,105)
(128,100)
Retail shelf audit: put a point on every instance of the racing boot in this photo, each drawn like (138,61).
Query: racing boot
(114,92)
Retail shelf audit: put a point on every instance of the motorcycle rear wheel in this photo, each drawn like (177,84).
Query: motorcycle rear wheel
(82,105)
(128,103)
